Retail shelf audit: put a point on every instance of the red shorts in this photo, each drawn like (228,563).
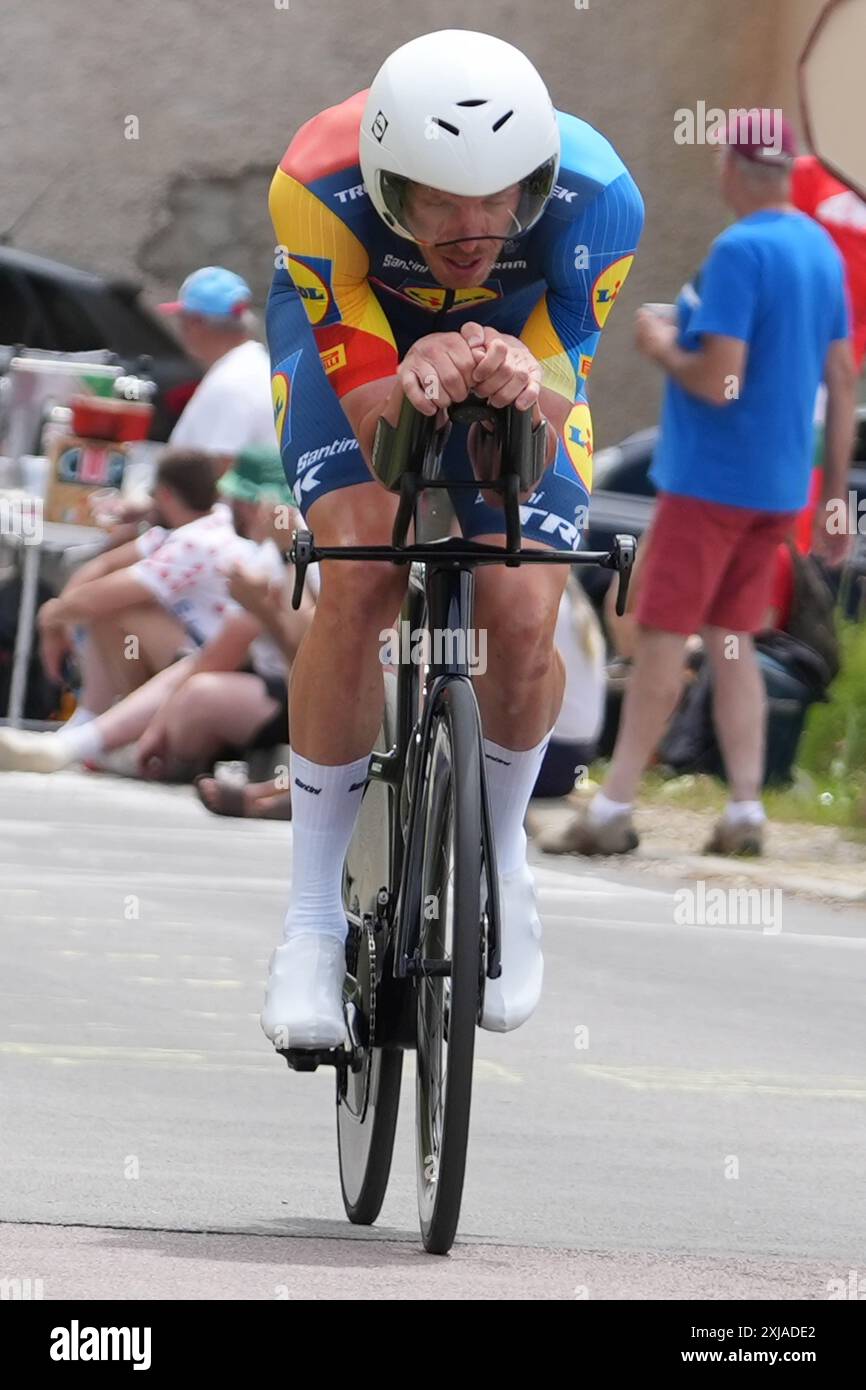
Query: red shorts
(708,565)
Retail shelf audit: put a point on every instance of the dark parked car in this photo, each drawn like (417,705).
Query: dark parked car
(47,305)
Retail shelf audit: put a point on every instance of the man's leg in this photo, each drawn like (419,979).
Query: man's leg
(335,712)
(216,708)
(130,647)
(520,692)
(739,710)
(652,693)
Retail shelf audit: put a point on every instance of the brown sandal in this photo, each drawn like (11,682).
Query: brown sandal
(231,801)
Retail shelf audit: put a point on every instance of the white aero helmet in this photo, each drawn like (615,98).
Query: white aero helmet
(462,113)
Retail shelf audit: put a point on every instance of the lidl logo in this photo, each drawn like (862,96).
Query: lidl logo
(312,279)
(281,392)
(608,286)
(333,359)
(577,436)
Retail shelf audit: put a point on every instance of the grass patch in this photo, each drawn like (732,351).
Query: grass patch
(830,780)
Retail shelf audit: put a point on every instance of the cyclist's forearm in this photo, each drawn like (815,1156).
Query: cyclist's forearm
(839,432)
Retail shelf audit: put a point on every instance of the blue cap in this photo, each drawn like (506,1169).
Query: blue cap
(213,292)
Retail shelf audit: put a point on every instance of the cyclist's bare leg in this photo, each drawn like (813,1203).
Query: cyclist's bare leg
(520,693)
(336,691)
(336,702)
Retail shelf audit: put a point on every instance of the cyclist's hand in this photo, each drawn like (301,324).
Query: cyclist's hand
(506,372)
(437,370)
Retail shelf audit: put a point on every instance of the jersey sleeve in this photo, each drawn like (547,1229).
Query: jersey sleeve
(586,265)
(319,259)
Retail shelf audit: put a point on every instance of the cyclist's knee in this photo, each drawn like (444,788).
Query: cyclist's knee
(359,596)
(520,616)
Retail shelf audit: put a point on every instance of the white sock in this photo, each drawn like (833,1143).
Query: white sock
(745,813)
(511,777)
(601,809)
(84,741)
(80,716)
(325,803)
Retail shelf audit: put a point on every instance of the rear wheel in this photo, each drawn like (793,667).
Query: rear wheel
(450,954)
(368,1098)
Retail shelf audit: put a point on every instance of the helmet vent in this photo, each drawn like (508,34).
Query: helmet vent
(476,101)
(502,119)
(446,125)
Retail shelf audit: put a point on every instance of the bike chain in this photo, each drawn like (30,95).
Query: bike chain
(371,1026)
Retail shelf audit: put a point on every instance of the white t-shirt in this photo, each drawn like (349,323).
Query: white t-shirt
(186,570)
(232,406)
(265,655)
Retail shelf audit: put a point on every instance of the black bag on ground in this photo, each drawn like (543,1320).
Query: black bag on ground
(41,695)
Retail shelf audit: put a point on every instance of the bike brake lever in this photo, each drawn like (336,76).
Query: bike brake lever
(624,548)
(300,555)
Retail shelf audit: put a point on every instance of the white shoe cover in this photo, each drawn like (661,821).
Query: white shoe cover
(304,993)
(511,999)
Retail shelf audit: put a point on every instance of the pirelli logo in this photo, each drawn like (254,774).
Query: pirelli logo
(333,359)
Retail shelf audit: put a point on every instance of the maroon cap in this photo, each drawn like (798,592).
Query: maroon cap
(764,136)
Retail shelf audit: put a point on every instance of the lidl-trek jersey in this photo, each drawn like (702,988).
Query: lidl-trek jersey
(349,298)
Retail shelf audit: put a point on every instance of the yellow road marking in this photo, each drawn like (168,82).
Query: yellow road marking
(732,1082)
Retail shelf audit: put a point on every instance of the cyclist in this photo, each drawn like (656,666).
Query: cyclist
(446,232)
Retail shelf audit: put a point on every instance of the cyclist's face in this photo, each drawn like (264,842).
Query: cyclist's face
(461,238)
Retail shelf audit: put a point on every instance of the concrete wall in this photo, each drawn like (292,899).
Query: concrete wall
(219,86)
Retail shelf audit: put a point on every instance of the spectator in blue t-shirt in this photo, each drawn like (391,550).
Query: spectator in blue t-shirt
(759,329)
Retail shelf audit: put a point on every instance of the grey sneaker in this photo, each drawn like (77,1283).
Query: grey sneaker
(581,835)
(745,838)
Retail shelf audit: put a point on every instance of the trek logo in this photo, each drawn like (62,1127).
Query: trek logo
(281,392)
(607,287)
(309,481)
(305,787)
(312,279)
(567,195)
(348,195)
(551,525)
(77,1343)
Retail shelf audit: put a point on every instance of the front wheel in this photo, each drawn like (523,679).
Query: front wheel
(449,958)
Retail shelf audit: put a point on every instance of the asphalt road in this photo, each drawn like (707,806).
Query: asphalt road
(684,1116)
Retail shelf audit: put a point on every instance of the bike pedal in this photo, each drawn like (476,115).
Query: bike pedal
(311,1058)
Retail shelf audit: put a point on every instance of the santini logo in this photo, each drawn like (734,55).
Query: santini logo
(305,787)
(76,1343)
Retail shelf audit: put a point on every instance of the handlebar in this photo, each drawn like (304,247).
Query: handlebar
(620,558)
(407,459)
